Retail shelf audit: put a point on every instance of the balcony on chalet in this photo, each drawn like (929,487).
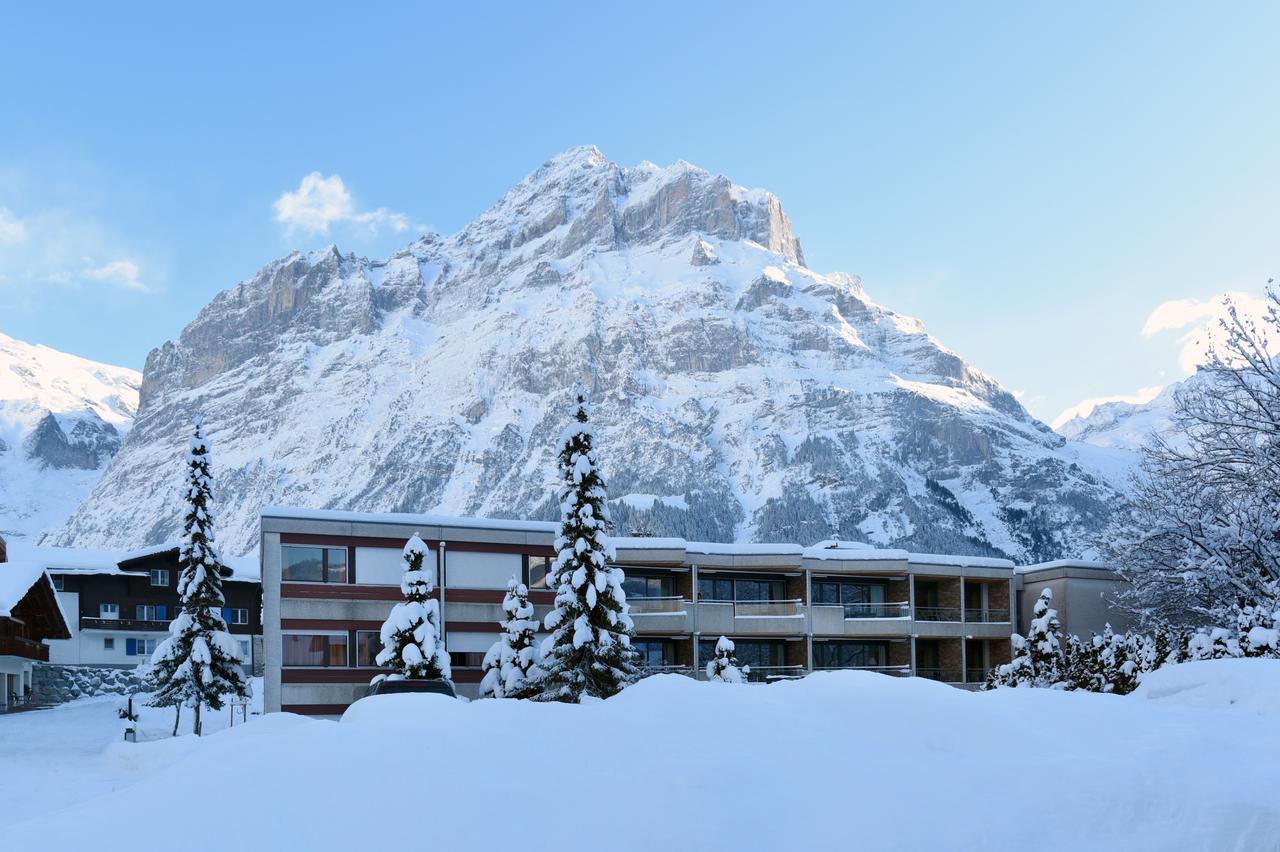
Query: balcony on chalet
(17,646)
(88,623)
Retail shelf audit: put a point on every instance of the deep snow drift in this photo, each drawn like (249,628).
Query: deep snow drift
(837,760)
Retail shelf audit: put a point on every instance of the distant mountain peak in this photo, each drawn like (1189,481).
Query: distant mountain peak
(741,395)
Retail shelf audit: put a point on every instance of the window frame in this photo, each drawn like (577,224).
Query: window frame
(155,572)
(104,608)
(331,634)
(348,564)
(108,643)
(232,610)
(356,648)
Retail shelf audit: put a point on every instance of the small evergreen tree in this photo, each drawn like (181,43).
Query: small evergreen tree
(1038,659)
(1258,631)
(589,650)
(411,639)
(723,666)
(199,662)
(1079,664)
(511,660)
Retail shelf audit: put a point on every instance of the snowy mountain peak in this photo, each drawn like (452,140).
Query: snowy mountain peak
(61,420)
(740,395)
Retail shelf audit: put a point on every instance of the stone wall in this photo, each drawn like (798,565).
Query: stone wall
(55,684)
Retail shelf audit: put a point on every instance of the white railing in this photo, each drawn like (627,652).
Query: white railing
(768,609)
(900,609)
(658,606)
(895,671)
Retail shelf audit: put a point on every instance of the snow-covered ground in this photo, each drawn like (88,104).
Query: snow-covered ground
(835,761)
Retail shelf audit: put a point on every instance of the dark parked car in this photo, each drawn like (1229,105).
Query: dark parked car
(395,687)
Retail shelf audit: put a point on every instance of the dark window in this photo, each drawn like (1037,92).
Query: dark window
(314,564)
(759,590)
(58,581)
(152,612)
(926,593)
(655,653)
(748,652)
(159,576)
(834,592)
(466,659)
(315,650)
(837,655)
(715,589)
(368,645)
(538,567)
(640,586)
(108,643)
(927,655)
(973,596)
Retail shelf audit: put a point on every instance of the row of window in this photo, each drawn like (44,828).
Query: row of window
(330,650)
(306,564)
(160,612)
(146,647)
(159,577)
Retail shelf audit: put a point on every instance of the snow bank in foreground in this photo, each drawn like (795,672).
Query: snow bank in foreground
(834,761)
(1244,685)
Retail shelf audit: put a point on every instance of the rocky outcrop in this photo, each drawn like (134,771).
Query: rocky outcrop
(739,393)
(58,684)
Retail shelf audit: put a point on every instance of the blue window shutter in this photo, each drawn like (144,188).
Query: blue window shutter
(226,614)
(131,647)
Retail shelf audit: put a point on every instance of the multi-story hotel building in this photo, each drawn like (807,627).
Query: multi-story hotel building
(330,578)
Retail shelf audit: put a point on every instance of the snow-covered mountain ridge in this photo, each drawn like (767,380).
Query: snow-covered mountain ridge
(62,418)
(739,394)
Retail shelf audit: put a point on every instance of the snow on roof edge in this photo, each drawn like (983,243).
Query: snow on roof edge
(406,518)
(1088,564)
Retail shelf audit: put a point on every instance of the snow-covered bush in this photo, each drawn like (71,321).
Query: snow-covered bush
(411,640)
(724,666)
(512,660)
(199,662)
(589,650)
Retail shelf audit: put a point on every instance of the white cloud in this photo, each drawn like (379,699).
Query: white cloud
(1198,321)
(321,202)
(11,228)
(57,247)
(121,272)
(1085,407)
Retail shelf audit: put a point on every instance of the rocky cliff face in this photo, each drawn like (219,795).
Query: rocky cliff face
(62,418)
(740,395)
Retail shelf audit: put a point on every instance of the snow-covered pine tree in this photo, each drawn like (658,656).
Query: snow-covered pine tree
(1078,664)
(411,639)
(511,660)
(723,666)
(589,650)
(1045,643)
(1038,659)
(199,662)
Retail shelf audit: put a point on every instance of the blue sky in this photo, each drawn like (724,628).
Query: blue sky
(1038,184)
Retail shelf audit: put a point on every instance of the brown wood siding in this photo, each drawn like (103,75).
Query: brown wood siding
(327,624)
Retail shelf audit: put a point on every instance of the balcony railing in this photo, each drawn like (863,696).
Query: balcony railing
(768,609)
(877,610)
(988,615)
(658,606)
(976,675)
(944,675)
(671,669)
(87,623)
(768,674)
(892,671)
(938,613)
(15,646)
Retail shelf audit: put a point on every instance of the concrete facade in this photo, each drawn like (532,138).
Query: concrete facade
(789,608)
(1084,594)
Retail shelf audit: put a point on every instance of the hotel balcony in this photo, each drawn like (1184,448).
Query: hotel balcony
(780,617)
(661,615)
(862,619)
